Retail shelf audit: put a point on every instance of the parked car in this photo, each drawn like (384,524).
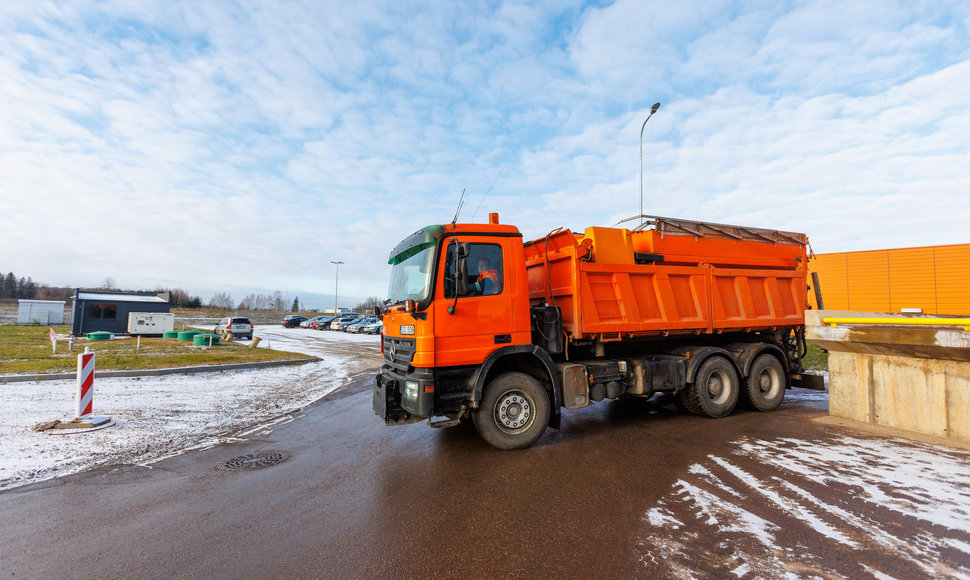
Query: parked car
(306,323)
(355,327)
(339,323)
(322,323)
(293,320)
(373,328)
(234,326)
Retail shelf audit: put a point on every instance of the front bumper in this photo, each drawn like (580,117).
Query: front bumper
(402,400)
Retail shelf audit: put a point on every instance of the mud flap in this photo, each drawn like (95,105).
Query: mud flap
(808,381)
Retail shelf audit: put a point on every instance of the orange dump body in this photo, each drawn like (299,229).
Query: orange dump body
(679,277)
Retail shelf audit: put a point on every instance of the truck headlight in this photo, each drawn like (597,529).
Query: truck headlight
(411,390)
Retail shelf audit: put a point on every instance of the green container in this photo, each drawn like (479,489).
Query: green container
(203,339)
(188,334)
(100,335)
(170,334)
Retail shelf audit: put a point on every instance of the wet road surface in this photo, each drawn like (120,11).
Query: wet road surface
(626,489)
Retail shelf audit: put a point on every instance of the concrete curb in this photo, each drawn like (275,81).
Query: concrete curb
(159,372)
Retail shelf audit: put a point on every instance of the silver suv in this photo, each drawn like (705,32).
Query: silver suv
(235,326)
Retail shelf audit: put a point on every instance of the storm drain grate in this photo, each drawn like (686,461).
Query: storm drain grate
(257,460)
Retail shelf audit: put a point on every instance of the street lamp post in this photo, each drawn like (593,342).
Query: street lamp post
(653,110)
(336,280)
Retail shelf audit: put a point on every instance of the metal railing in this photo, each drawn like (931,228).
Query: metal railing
(964,322)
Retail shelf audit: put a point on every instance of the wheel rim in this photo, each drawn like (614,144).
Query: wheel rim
(514,412)
(719,387)
(769,382)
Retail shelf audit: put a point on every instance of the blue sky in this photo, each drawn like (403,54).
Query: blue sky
(240,147)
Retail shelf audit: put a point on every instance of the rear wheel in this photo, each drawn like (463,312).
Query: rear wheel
(714,392)
(765,386)
(514,411)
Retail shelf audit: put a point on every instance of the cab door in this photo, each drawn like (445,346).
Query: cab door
(475,318)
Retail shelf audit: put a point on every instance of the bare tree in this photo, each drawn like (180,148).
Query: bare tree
(277,303)
(222,301)
(369,304)
(248,303)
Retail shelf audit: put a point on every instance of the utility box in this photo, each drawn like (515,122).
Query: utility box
(40,312)
(150,322)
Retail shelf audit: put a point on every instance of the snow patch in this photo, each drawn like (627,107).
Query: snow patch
(158,417)
(880,504)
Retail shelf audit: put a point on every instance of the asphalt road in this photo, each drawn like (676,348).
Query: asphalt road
(626,489)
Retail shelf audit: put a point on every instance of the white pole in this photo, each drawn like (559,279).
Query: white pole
(336,279)
(642,127)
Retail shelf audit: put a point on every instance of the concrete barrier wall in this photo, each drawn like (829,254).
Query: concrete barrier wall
(913,378)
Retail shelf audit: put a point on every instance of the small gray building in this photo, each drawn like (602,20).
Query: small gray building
(40,312)
(97,310)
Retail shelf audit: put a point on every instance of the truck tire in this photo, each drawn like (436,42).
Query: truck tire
(765,386)
(714,392)
(514,411)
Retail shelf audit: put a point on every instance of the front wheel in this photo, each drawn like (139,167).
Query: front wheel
(514,411)
(714,392)
(765,386)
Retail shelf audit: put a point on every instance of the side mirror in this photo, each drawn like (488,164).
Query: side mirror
(461,269)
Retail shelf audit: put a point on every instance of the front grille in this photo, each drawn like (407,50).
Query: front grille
(398,352)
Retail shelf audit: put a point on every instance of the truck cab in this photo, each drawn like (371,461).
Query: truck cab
(458,299)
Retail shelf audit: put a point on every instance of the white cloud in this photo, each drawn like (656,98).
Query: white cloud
(246,146)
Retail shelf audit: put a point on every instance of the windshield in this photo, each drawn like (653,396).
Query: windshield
(411,276)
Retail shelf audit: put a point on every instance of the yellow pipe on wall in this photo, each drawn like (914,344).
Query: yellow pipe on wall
(964,322)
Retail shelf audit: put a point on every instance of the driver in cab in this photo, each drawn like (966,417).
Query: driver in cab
(488,279)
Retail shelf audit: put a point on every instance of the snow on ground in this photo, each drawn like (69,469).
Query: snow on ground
(886,500)
(156,417)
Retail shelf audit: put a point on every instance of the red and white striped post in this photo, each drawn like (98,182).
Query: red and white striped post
(84,395)
(85,383)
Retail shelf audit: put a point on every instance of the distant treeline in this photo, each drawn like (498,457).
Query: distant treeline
(12,287)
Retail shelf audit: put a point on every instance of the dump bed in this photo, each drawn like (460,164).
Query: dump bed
(670,275)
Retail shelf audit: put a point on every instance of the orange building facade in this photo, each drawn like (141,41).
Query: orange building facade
(932,279)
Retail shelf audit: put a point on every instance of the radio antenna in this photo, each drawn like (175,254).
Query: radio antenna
(461,202)
(486,192)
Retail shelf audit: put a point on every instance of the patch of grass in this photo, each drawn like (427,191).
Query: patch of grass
(27,350)
(817,358)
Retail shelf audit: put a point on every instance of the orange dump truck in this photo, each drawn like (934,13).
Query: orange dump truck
(479,324)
